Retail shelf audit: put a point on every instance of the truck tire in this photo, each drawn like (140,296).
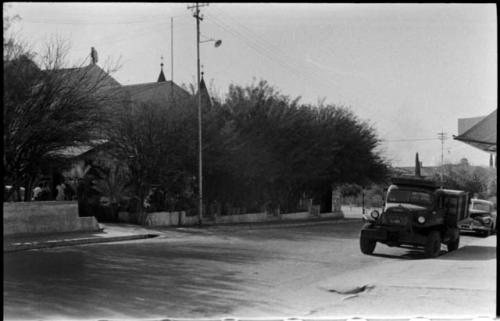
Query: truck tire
(453,244)
(367,245)
(433,244)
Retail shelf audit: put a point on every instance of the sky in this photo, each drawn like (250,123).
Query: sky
(408,70)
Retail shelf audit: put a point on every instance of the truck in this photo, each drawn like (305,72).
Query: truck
(417,213)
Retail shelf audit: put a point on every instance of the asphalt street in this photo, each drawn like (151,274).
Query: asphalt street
(235,271)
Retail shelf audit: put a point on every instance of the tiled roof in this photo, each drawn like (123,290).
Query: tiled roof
(483,134)
(155,92)
(464,124)
(90,75)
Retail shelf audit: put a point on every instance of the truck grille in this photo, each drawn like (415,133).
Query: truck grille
(397,218)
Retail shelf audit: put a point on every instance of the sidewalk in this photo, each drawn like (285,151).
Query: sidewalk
(109,233)
(115,232)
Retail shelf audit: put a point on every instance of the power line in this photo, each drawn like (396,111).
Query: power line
(62,22)
(407,140)
(271,49)
(266,44)
(119,37)
(280,52)
(86,22)
(261,50)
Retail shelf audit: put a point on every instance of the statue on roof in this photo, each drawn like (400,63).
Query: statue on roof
(93,55)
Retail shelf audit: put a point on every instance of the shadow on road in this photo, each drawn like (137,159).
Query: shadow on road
(466,253)
(410,255)
(123,279)
(472,253)
(345,230)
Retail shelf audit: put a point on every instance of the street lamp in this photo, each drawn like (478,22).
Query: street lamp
(217,43)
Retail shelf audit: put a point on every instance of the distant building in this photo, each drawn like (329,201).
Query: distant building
(159,92)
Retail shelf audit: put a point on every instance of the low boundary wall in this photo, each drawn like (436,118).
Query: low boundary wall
(180,218)
(165,219)
(45,217)
(241,218)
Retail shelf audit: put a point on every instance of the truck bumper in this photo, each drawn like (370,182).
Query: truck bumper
(474,228)
(393,236)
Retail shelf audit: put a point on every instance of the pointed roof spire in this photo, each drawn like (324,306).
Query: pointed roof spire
(161,77)
(204,92)
(203,87)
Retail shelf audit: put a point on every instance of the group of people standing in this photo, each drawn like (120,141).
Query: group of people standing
(43,193)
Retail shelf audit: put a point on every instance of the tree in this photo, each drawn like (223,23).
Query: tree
(417,165)
(79,178)
(476,180)
(158,144)
(262,145)
(259,147)
(48,108)
(113,185)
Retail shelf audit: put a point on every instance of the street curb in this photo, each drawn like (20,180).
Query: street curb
(275,224)
(60,243)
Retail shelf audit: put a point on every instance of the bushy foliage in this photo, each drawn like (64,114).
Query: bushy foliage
(158,144)
(274,149)
(260,148)
(370,196)
(48,108)
(477,180)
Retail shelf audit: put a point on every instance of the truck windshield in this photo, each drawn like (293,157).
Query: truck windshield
(412,197)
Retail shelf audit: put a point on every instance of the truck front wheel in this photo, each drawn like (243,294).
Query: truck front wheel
(453,245)
(367,245)
(433,244)
(454,241)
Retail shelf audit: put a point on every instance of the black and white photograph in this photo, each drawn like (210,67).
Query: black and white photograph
(250,161)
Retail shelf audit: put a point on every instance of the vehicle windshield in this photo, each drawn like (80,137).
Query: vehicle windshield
(485,207)
(411,197)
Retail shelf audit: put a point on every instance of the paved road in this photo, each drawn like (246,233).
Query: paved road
(220,272)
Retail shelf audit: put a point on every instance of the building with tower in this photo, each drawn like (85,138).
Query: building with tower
(162,92)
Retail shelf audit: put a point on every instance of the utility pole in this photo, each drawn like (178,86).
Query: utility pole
(198,18)
(172,58)
(442,137)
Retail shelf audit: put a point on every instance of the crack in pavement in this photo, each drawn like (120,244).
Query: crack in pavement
(355,290)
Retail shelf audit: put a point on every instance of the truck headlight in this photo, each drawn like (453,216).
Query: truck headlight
(421,219)
(487,220)
(374,214)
